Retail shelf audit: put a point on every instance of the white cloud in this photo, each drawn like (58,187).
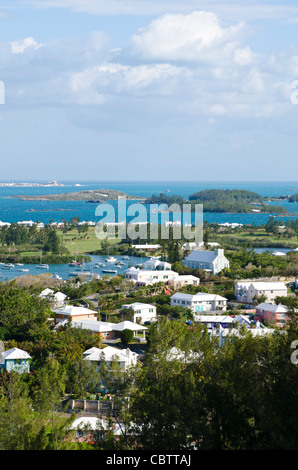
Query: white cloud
(18,47)
(197,36)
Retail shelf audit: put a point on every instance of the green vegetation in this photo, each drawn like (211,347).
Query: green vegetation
(225,201)
(293,198)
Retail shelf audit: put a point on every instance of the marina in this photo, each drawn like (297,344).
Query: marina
(92,269)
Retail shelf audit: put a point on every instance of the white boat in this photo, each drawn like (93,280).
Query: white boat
(8,266)
(111,259)
(109,271)
(125,257)
(42,266)
(19,264)
(24,270)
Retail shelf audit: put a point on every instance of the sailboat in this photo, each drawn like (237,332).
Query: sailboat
(41,265)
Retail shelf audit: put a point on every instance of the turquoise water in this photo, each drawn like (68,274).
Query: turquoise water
(63,270)
(14,210)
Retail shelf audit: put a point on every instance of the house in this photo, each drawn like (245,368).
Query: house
(141,312)
(146,247)
(246,291)
(200,302)
(214,321)
(70,312)
(57,300)
(125,358)
(15,359)
(144,277)
(213,261)
(277,315)
(107,330)
(184,280)
(225,334)
(93,428)
(176,354)
(154,263)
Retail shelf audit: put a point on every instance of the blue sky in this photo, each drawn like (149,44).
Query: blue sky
(144,90)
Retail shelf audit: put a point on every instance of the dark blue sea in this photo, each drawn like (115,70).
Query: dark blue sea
(14,210)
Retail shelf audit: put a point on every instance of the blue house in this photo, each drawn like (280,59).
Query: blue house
(15,359)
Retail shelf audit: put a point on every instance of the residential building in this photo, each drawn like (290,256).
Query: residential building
(144,277)
(141,312)
(154,263)
(93,428)
(125,358)
(277,315)
(107,330)
(146,247)
(246,291)
(15,359)
(70,312)
(213,261)
(56,300)
(200,302)
(184,280)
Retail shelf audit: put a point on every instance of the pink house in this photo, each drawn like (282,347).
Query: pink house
(272,314)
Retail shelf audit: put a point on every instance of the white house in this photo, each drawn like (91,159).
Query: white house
(144,277)
(108,330)
(154,263)
(57,300)
(200,302)
(142,312)
(124,357)
(245,291)
(184,280)
(213,261)
(146,247)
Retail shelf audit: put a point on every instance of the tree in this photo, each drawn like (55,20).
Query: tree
(48,391)
(126,336)
(82,377)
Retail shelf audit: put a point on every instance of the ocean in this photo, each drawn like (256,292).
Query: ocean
(14,210)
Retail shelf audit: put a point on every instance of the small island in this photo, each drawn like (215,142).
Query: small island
(236,201)
(93,195)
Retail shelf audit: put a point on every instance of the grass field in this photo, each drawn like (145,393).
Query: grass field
(256,238)
(86,242)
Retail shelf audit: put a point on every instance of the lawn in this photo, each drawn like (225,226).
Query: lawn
(86,242)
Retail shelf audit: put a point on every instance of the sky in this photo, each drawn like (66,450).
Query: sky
(148,90)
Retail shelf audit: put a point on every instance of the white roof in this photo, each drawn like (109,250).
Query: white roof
(15,353)
(263,285)
(109,354)
(46,292)
(138,305)
(71,310)
(202,296)
(93,325)
(272,308)
(147,246)
(60,296)
(177,354)
(128,325)
(214,318)
(94,423)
